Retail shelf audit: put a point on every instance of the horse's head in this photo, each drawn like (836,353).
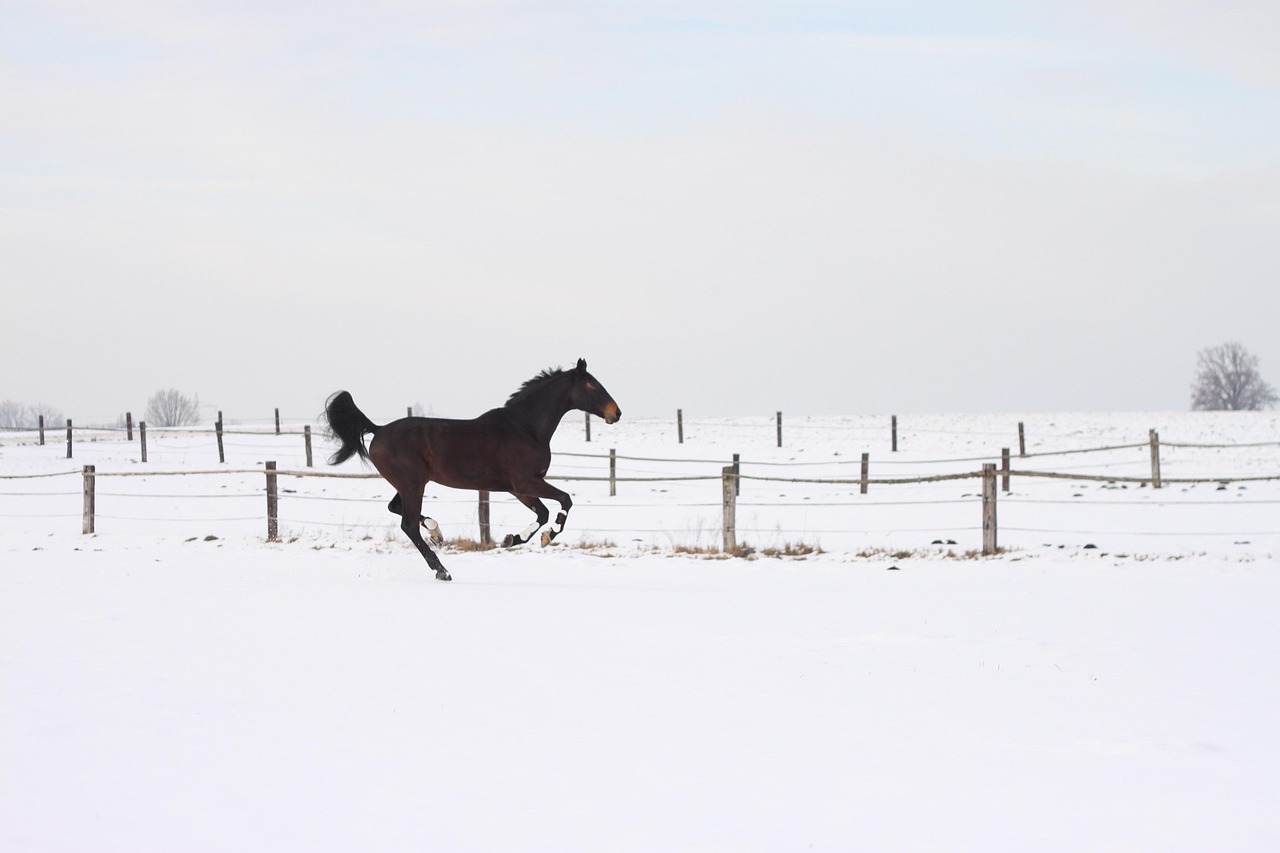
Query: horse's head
(590,396)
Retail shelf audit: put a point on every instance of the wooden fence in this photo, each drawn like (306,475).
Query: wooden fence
(993,478)
(730,480)
(731,476)
(219,431)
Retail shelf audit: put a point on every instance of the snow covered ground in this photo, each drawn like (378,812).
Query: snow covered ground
(176,682)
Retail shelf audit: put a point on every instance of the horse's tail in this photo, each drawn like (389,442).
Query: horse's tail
(349,425)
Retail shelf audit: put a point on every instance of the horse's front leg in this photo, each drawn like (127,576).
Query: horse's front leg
(539,509)
(566,503)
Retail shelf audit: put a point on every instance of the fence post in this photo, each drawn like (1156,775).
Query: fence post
(1155,459)
(866,466)
(588,424)
(988,509)
(1004,469)
(128,426)
(680,426)
(408,411)
(1022,439)
(728,486)
(273,502)
(893,427)
(779,429)
(217,427)
(42,430)
(486,535)
(68,438)
(277,421)
(89,487)
(306,439)
(737,475)
(613,472)
(142,438)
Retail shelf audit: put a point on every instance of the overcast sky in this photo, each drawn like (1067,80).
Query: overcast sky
(727,207)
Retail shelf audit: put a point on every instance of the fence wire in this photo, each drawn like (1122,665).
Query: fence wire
(672,489)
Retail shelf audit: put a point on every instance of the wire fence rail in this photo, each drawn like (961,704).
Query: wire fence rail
(994,477)
(730,477)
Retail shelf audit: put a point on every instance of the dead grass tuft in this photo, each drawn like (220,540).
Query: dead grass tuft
(465,544)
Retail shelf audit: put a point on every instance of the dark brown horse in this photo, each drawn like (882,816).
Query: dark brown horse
(503,450)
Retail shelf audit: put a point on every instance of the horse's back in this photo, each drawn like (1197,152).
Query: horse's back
(485,452)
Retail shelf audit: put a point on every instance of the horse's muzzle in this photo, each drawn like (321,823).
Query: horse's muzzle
(612,414)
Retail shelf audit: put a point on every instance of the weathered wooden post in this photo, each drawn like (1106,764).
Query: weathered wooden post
(1155,459)
(217,428)
(277,421)
(42,430)
(893,428)
(142,438)
(588,425)
(306,440)
(613,472)
(779,429)
(1022,439)
(680,426)
(728,491)
(1004,469)
(273,503)
(89,489)
(68,438)
(989,545)
(866,466)
(486,534)
(128,426)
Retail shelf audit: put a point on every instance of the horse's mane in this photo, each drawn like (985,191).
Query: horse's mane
(534,385)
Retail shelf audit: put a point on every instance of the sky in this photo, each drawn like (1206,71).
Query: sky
(728,208)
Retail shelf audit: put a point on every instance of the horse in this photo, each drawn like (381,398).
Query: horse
(507,449)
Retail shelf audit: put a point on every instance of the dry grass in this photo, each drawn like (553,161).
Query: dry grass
(586,543)
(465,544)
(468,545)
(921,553)
(792,550)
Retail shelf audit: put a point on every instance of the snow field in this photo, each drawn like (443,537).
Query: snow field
(160,690)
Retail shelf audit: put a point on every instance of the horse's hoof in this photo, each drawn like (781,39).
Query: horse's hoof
(442,575)
(510,541)
(546,538)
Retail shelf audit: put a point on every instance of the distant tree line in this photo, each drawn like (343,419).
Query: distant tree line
(166,408)
(15,415)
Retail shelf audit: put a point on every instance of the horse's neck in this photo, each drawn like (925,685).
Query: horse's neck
(544,413)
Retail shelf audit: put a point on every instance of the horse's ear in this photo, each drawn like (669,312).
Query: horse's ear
(582,365)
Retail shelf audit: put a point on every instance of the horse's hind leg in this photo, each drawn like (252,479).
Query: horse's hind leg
(433,529)
(409,511)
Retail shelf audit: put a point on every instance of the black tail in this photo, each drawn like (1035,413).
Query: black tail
(349,425)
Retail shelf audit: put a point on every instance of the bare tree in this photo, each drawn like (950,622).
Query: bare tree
(171,407)
(52,415)
(1227,379)
(11,414)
